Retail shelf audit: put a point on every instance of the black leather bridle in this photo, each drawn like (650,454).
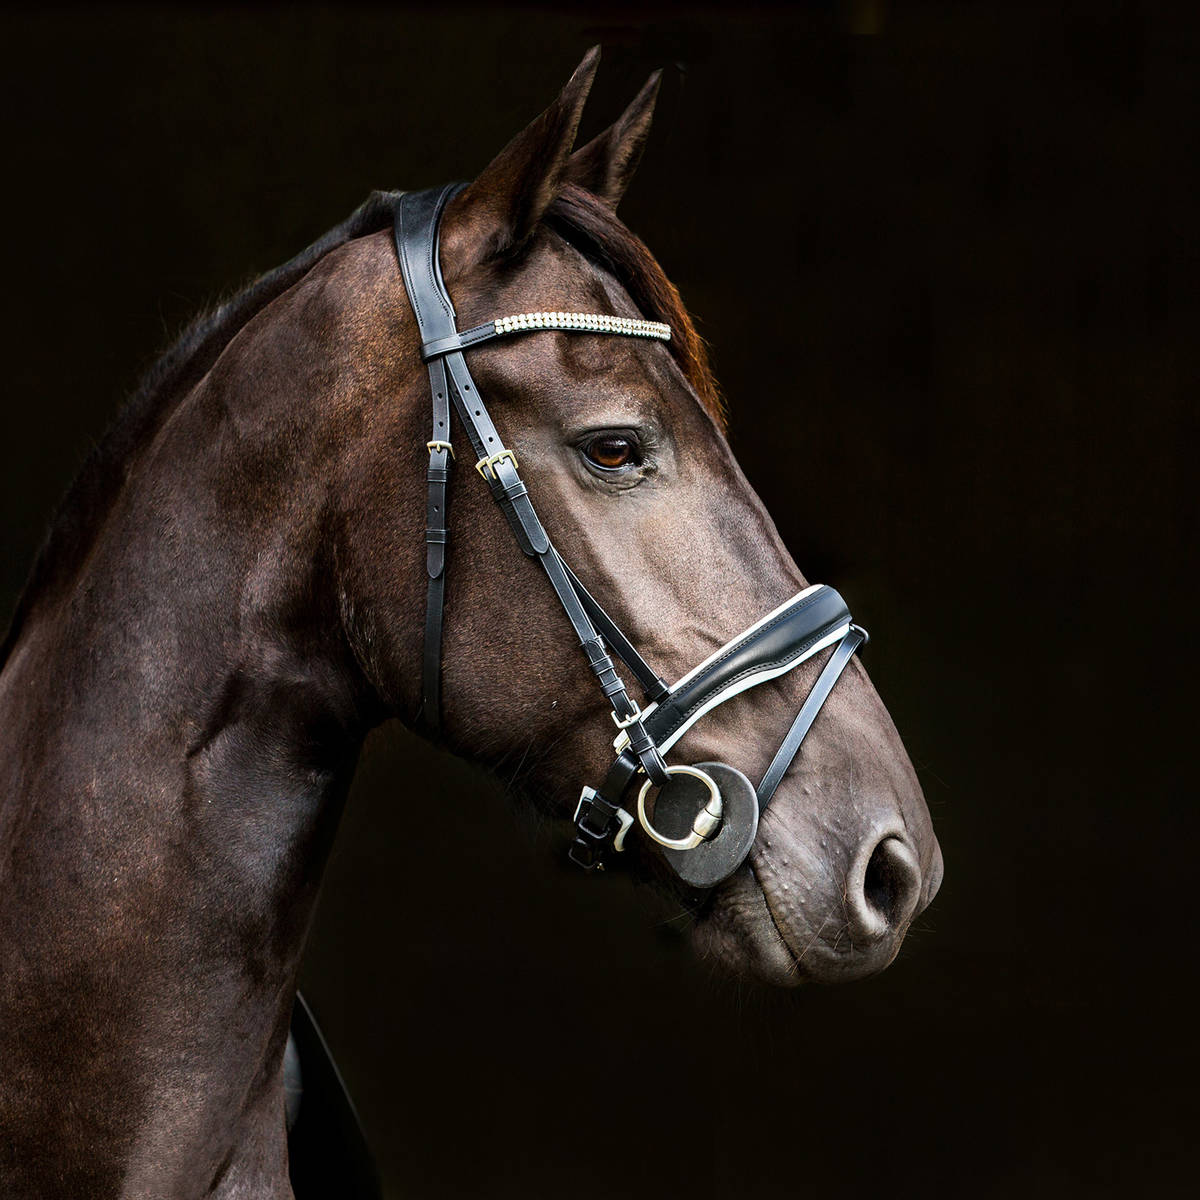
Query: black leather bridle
(706,814)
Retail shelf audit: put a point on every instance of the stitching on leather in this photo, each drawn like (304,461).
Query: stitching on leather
(434,280)
(771,663)
(431,261)
(478,334)
(406,271)
(786,615)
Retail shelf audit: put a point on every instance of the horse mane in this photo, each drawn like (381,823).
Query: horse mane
(586,222)
(88,500)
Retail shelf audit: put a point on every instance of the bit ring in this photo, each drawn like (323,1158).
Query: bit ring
(707,819)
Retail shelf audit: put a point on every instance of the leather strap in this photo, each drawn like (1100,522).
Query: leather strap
(790,746)
(768,649)
(416,220)
(652,683)
(418,217)
(416,230)
(436,347)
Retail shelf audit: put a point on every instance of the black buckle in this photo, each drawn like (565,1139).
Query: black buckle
(599,828)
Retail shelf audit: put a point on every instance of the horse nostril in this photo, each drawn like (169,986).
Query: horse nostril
(882,891)
(879,882)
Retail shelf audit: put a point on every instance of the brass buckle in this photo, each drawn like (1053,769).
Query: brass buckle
(432,446)
(487,466)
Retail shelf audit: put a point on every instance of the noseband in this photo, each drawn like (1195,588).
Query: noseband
(706,815)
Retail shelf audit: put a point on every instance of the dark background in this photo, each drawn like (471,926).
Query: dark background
(946,259)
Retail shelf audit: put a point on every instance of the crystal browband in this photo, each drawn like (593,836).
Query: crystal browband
(597,322)
(527,322)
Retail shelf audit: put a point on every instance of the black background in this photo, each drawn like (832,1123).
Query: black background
(946,258)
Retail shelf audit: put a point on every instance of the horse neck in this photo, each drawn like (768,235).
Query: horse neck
(213,596)
(182,721)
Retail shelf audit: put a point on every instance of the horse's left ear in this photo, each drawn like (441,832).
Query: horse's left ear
(502,207)
(607,163)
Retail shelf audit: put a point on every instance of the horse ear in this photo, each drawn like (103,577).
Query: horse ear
(607,163)
(503,206)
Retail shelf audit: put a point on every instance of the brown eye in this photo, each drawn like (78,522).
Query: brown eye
(611,451)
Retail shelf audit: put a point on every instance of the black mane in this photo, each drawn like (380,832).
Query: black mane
(75,523)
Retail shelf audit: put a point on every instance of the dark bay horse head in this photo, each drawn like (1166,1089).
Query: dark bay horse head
(234,593)
(623,447)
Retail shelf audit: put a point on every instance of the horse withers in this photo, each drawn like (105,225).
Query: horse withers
(236,590)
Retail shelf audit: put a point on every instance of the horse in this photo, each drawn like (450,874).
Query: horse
(236,590)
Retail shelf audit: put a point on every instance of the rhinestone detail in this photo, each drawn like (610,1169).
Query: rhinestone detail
(588,322)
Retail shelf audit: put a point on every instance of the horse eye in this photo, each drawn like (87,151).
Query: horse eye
(611,451)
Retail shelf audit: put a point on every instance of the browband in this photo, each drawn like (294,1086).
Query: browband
(529,322)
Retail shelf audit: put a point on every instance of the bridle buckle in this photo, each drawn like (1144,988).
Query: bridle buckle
(599,826)
(621,741)
(487,466)
(630,720)
(433,446)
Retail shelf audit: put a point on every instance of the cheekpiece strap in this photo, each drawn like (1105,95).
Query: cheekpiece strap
(418,215)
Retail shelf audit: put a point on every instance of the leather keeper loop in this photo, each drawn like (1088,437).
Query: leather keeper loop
(511,492)
(642,744)
(613,686)
(596,651)
(458,341)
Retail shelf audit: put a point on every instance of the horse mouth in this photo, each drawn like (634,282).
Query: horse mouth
(777,928)
(738,928)
(783,932)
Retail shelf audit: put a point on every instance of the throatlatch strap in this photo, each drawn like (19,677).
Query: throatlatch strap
(416,222)
(437,535)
